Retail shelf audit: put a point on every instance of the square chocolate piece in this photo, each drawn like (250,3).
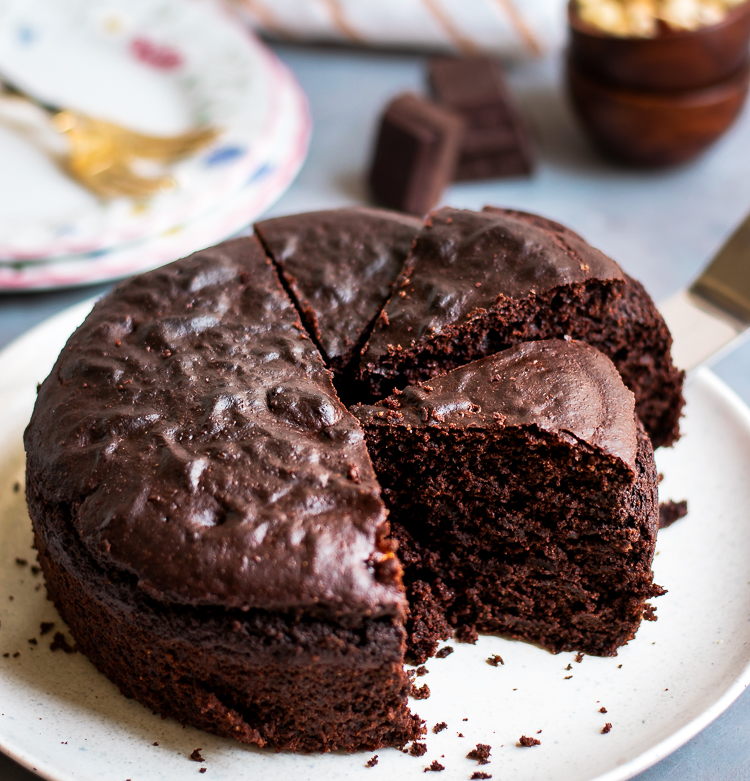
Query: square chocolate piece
(496,140)
(415,154)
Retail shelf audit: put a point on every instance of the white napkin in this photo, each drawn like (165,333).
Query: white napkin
(512,29)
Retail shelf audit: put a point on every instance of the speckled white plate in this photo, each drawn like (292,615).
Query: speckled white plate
(65,721)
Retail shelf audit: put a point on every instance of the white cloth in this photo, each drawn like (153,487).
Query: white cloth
(512,29)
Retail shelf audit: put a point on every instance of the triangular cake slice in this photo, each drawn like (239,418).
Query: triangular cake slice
(478,282)
(523,492)
(340,266)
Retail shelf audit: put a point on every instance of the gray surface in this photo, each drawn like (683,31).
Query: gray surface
(662,228)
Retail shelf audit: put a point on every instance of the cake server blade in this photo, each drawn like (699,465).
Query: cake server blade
(712,316)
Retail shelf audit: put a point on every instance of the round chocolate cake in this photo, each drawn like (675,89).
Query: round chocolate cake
(206,510)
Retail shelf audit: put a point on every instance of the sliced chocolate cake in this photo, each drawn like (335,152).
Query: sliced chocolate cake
(339,266)
(207,517)
(523,492)
(478,282)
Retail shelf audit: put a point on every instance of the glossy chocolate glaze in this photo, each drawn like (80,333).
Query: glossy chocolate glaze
(564,387)
(191,431)
(464,263)
(340,265)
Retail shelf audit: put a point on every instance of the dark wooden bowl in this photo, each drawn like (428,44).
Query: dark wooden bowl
(654,129)
(672,60)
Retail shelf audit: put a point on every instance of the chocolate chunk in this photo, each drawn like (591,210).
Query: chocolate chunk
(669,512)
(415,154)
(496,141)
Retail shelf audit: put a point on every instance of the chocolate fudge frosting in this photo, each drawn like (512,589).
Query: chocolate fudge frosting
(564,387)
(340,265)
(465,262)
(191,430)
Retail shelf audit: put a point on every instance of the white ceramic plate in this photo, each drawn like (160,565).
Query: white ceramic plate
(63,719)
(262,188)
(158,66)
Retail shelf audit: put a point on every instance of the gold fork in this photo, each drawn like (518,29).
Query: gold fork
(100,155)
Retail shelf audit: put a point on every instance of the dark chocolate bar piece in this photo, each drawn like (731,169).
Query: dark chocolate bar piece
(416,154)
(496,140)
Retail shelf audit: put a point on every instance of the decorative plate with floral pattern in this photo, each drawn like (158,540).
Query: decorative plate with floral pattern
(155,66)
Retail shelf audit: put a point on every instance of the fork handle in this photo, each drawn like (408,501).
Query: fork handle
(12,89)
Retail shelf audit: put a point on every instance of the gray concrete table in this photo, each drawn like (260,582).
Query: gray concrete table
(661,227)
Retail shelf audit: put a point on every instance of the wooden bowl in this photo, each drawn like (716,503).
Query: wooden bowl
(654,129)
(672,60)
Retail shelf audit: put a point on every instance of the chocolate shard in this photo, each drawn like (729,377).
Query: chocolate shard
(496,142)
(415,154)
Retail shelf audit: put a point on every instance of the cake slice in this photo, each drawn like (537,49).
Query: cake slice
(339,266)
(478,282)
(523,492)
(207,517)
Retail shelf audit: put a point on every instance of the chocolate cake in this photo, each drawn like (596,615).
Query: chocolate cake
(339,266)
(523,492)
(207,517)
(476,283)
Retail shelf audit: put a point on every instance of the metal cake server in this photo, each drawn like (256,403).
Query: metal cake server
(712,316)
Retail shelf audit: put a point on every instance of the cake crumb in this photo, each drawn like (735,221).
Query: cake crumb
(16,654)
(460,734)
(567,677)
(467,634)
(46,627)
(372,761)
(669,512)
(439,727)
(6,655)
(154,743)
(60,643)
(420,692)
(480,774)
(420,671)
(33,641)
(606,728)
(196,755)
(619,666)
(35,569)
(538,732)
(21,562)
(602,709)
(16,487)
(202,770)
(480,753)
(464,719)
(435,767)
(526,742)
(569,667)
(495,660)
(443,652)
(579,657)
(418,749)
